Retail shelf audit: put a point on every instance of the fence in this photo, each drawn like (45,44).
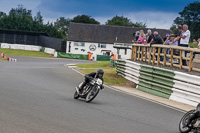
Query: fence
(32,38)
(165,83)
(153,55)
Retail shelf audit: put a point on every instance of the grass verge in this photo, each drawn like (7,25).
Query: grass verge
(16,52)
(110,76)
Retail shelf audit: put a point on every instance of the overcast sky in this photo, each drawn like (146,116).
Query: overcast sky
(155,13)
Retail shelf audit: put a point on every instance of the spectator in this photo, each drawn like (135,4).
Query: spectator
(170,41)
(142,38)
(178,35)
(157,39)
(166,36)
(149,36)
(134,37)
(198,44)
(184,42)
(137,35)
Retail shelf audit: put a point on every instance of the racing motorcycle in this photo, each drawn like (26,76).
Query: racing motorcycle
(90,90)
(190,121)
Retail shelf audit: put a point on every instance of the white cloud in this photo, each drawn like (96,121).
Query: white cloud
(160,20)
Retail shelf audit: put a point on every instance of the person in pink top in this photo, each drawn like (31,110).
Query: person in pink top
(142,38)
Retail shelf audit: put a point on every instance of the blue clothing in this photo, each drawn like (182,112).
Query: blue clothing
(168,41)
(149,39)
(179,33)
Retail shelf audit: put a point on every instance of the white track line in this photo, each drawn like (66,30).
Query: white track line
(135,94)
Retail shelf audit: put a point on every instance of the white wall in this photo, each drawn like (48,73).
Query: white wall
(98,51)
(20,46)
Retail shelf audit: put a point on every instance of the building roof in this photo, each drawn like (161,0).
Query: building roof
(105,34)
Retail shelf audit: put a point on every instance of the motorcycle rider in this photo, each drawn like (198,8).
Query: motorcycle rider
(88,77)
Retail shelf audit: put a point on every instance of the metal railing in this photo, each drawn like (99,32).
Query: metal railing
(152,55)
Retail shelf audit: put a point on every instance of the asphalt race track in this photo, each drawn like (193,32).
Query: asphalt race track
(36,96)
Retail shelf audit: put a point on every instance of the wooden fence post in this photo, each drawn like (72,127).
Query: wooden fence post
(190,63)
(145,54)
(154,52)
(181,62)
(171,50)
(142,53)
(158,57)
(149,55)
(164,61)
(138,53)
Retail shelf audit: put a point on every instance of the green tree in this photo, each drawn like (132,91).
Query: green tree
(139,24)
(2,14)
(63,25)
(190,16)
(38,18)
(84,19)
(174,29)
(124,21)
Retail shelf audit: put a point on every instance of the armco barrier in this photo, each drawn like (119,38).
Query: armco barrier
(165,83)
(49,50)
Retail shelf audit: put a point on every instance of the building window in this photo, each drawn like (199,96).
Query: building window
(82,44)
(76,48)
(83,50)
(101,45)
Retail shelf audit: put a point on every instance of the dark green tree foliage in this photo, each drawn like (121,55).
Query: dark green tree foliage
(174,29)
(190,16)
(84,19)
(21,19)
(124,21)
(63,25)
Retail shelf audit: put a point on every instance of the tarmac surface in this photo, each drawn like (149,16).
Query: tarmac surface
(36,96)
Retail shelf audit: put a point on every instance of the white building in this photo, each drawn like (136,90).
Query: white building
(102,39)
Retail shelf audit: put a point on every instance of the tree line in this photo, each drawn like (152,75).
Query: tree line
(22,19)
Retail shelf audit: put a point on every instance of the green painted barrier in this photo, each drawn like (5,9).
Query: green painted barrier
(72,56)
(157,79)
(154,92)
(164,72)
(103,58)
(151,86)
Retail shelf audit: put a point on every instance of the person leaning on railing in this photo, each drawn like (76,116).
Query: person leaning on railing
(170,41)
(157,39)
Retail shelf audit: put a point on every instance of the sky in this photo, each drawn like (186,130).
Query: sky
(155,13)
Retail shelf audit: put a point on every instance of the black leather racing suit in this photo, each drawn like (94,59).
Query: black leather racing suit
(89,77)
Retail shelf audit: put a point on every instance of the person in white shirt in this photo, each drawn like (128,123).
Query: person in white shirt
(184,42)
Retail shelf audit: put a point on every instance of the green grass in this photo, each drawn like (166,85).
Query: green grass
(110,76)
(16,52)
(194,45)
(102,64)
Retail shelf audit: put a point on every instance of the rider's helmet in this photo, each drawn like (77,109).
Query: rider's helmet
(100,73)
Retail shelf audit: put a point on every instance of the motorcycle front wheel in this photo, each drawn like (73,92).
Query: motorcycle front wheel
(182,125)
(92,94)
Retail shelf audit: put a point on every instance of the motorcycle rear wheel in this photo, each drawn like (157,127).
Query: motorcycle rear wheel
(186,129)
(92,94)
